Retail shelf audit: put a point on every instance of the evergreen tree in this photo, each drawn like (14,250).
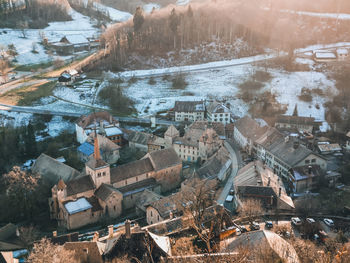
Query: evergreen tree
(295,112)
(174,22)
(30,142)
(138,19)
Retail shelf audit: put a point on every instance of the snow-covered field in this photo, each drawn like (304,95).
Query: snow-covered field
(54,32)
(114,14)
(339,16)
(182,2)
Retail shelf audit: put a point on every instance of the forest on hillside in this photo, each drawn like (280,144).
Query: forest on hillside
(221,21)
(32,13)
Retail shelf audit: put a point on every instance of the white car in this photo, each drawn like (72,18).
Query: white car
(310,220)
(296,221)
(328,222)
(229,198)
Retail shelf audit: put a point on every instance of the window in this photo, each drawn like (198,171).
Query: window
(151,213)
(114,208)
(130,196)
(126,182)
(307,161)
(137,179)
(104,173)
(158,217)
(313,160)
(92,214)
(99,175)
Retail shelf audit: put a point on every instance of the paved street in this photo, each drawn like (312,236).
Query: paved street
(236,159)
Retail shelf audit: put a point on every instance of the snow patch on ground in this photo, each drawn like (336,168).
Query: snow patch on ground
(57,125)
(149,7)
(114,14)
(340,16)
(287,87)
(183,2)
(54,32)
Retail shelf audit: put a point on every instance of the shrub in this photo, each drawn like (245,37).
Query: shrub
(132,80)
(251,85)
(152,81)
(262,76)
(305,95)
(179,82)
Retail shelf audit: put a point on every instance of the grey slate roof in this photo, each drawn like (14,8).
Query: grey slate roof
(139,137)
(250,128)
(189,106)
(80,185)
(130,170)
(105,191)
(53,170)
(163,159)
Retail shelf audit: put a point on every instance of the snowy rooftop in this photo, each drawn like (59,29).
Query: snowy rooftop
(342,51)
(76,39)
(77,206)
(325,55)
(113,131)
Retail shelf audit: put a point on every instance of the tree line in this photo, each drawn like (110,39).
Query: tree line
(32,13)
(222,21)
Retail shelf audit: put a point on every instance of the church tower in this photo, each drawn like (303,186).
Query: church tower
(98,169)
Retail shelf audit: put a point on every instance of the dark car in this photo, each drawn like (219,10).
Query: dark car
(243,229)
(268,224)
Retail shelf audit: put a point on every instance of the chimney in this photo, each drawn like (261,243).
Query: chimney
(101,124)
(309,169)
(128,229)
(96,237)
(54,233)
(286,139)
(110,119)
(110,231)
(279,191)
(17,232)
(296,144)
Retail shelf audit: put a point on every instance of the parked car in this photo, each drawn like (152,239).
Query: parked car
(328,222)
(310,220)
(268,224)
(296,221)
(254,226)
(229,198)
(243,229)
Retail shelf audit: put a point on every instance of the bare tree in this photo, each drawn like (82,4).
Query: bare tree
(251,208)
(195,205)
(44,251)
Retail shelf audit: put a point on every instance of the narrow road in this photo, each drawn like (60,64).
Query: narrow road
(236,159)
(33,110)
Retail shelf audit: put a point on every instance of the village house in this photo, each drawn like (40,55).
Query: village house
(246,132)
(324,56)
(342,54)
(269,240)
(52,170)
(257,181)
(218,112)
(109,150)
(195,145)
(219,166)
(297,123)
(144,141)
(218,127)
(304,178)
(189,110)
(164,208)
(329,148)
(12,247)
(70,44)
(103,122)
(146,198)
(282,153)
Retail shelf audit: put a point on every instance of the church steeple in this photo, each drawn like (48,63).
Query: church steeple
(295,112)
